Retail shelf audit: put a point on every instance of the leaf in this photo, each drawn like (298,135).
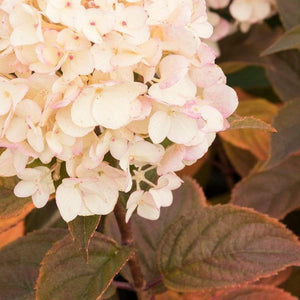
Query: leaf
(274,192)
(289,12)
(20,263)
(277,279)
(221,246)
(82,229)
(239,122)
(289,40)
(287,140)
(242,160)
(65,275)
(253,292)
(12,208)
(292,284)
(249,49)
(188,199)
(283,73)
(253,140)
(12,234)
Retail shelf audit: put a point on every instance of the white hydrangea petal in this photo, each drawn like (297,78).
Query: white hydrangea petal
(147,207)
(159,126)
(163,196)
(40,199)
(182,128)
(25,188)
(68,200)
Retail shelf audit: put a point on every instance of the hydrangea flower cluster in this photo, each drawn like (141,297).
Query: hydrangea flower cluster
(106,92)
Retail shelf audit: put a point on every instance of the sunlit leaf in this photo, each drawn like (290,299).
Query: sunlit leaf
(289,40)
(274,192)
(224,245)
(65,275)
(82,229)
(20,263)
(239,122)
(289,12)
(256,141)
(287,140)
(253,292)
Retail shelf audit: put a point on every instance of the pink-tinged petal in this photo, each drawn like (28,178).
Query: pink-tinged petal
(17,130)
(81,111)
(68,200)
(54,143)
(25,188)
(64,121)
(206,54)
(222,97)
(207,76)
(40,199)
(163,196)
(147,207)
(241,9)
(172,160)
(195,152)
(182,129)
(30,174)
(172,69)
(159,126)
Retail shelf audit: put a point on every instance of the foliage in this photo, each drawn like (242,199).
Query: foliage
(227,234)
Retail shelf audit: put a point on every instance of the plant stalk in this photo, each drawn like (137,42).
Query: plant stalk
(127,239)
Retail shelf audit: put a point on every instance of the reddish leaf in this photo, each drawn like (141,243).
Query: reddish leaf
(253,292)
(20,263)
(221,246)
(275,192)
(287,140)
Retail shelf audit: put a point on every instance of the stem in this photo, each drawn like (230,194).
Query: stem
(127,239)
(122,285)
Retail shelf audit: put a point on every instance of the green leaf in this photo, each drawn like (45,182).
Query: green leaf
(65,275)
(221,246)
(188,199)
(283,73)
(12,208)
(82,229)
(287,140)
(239,122)
(242,160)
(289,40)
(253,292)
(274,192)
(289,12)
(20,263)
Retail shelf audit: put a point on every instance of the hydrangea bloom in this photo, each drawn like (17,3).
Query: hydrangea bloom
(113,90)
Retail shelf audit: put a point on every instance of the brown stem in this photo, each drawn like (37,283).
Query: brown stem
(127,239)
